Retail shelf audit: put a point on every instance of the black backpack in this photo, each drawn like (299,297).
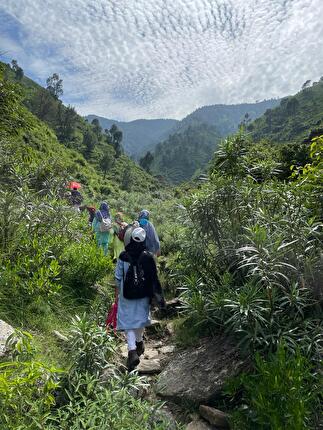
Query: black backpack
(135,284)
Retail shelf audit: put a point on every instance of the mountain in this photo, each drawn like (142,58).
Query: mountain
(140,135)
(226,118)
(194,139)
(181,155)
(294,119)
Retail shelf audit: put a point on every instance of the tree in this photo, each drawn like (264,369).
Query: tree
(306,84)
(43,106)
(106,162)
(116,139)
(146,161)
(96,127)
(66,122)
(19,73)
(292,105)
(127,180)
(90,140)
(55,85)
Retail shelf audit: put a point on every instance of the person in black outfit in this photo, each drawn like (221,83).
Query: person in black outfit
(137,286)
(76,198)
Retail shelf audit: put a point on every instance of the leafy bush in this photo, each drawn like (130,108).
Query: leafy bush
(27,386)
(95,406)
(89,345)
(281,394)
(83,264)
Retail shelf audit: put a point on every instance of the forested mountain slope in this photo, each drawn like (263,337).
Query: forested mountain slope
(294,119)
(181,156)
(226,118)
(143,135)
(140,135)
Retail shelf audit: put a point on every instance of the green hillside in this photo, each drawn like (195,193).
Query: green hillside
(80,149)
(294,119)
(180,156)
(226,118)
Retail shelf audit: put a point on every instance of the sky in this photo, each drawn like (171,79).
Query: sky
(129,59)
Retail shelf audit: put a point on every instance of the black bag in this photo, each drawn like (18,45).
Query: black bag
(135,284)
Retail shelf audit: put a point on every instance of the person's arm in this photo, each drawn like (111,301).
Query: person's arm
(118,274)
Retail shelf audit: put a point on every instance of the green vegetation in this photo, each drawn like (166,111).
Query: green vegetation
(295,118)
(91,151)
(50,269)
(250,263)
(183,154)
(245,249)
(226,118)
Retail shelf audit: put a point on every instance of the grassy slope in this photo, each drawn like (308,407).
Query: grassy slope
(43,140)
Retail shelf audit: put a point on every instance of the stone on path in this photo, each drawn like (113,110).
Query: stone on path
(170,328)
(197,375)
(124,351)
(150,353)
(168,349)
(149,367)
(199,425)
(5,331)
(214,416)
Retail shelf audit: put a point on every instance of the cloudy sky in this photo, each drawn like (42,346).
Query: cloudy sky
(128,59)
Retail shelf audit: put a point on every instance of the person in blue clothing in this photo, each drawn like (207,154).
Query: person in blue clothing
(134,314)
(152,239)
(102,237)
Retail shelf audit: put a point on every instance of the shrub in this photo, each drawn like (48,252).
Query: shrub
(281,394)
(95,406)
(89,345)
(27,387)
(83,264)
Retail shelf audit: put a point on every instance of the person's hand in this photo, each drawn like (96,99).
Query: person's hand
(158,253)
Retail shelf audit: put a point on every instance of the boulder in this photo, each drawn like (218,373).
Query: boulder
(214,416)
(197,375)
(5,331)
(199,425)
(149,367)
(155,329)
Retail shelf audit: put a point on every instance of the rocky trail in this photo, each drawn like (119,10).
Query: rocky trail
(189,381)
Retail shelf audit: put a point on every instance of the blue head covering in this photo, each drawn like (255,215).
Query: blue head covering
(103,212)
(143,217)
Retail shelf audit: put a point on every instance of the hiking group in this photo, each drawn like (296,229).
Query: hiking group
(136,247)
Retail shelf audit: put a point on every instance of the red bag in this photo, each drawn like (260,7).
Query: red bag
(111,321)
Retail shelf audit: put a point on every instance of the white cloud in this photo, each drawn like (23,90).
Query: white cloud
(127,59)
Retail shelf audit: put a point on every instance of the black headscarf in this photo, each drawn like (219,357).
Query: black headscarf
(134,250)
